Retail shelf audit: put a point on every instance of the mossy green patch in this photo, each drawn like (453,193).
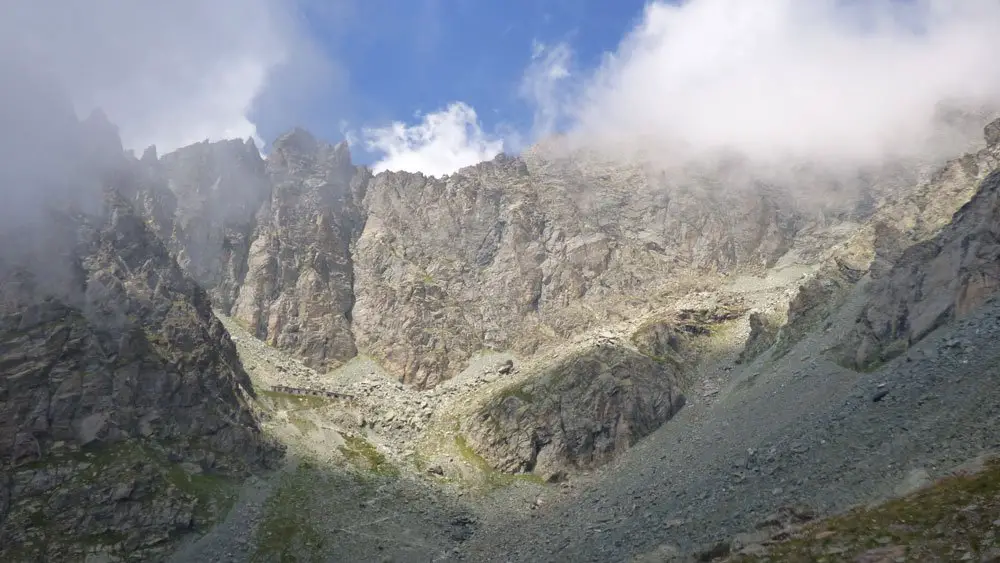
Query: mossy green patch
(287,401)
(953,520)
(303,424)
(287,533)
(215,493)
(492,478)
(362,452)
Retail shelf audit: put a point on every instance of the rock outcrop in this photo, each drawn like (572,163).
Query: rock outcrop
(904,221)
(298,291)
(579,412)
(932,258)
(933,282)
(120,392)
(219,188)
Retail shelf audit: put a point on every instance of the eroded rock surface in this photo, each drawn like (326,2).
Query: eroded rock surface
(121,394)
(509,254)
(298,293)
(941,277)
(579,412)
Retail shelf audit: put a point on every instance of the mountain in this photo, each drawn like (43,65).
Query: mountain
(121,395)
(511,254)
(664,351)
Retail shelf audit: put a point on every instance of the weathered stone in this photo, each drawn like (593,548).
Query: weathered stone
(578,412)
(937,280)
(112,366)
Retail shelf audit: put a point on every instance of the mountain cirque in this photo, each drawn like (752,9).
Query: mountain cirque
(322,259)
(546,314)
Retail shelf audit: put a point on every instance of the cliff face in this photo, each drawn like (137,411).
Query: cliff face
(218,187)
(509,254)
(117,384)
(298,294)
(942,277)
(422,272)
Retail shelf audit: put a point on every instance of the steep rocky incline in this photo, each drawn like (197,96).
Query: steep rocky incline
(903,222)
(940,279)
(298,294)
(580,412)
(123,404)
(510,254)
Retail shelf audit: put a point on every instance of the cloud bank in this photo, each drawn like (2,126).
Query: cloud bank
(831,80)
(834,82)
(167,73)
(441,143)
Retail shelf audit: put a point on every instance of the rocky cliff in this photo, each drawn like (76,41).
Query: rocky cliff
(578,412)
(512,254)
(298,293)
(121,394)
(942,277)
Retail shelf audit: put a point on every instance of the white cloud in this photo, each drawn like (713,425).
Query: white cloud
(815,79)
(440,144)
(545,85)
(168,73)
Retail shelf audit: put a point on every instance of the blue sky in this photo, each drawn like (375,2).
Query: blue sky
(400,57)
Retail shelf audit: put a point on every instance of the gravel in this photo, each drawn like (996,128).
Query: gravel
(806,432)
(799,431)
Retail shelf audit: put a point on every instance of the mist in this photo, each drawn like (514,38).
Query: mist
(836,82)
(166,73)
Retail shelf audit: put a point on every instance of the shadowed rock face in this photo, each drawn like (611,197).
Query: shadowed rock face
(940,278)
(114,373)
(579,412)
(130,350)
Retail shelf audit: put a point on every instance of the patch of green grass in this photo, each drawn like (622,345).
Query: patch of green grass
(361,452)
(940,523)
(286,533)
(215,494)
(492,478)
(304,425)
(291,402)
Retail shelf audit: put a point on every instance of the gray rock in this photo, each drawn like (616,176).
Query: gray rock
(114,369)
(578,412)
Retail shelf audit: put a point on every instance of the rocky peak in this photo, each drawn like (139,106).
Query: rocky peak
(219,187)
(298,152)
(297,140)
(149,156)
(115,373)
(992,133)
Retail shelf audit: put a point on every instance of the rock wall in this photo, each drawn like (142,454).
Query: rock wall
(904,221)
(578,412)
(118,387)
(298,291)
(933,282)
(509,254)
